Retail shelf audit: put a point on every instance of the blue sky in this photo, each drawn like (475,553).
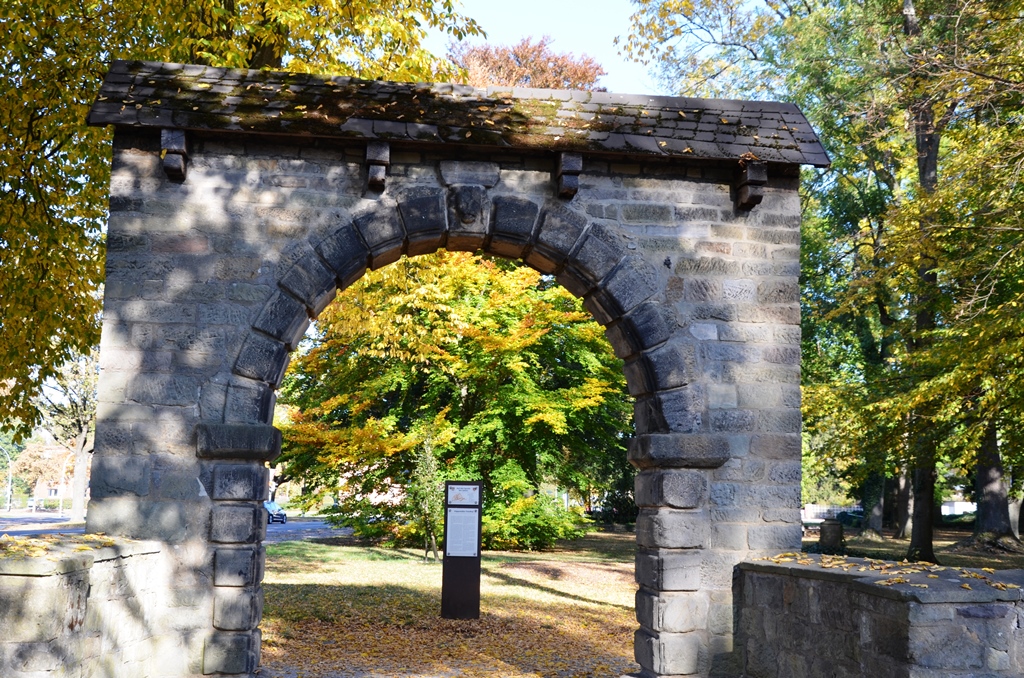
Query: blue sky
(577,26)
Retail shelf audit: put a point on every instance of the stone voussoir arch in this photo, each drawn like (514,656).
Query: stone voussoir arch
(675,220)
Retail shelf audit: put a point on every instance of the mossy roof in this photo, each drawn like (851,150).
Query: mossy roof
(166,95)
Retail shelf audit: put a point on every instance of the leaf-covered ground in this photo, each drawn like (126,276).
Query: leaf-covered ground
(338,610)
(952,548)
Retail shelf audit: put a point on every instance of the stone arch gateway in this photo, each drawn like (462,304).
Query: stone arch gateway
(241,201)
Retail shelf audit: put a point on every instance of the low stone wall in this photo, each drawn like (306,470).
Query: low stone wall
(79,607)
(804,616)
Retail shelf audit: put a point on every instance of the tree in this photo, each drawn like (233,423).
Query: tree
(912,239)
(68,406)
(526,64)
(54,171)
(425,495)
(496,366)
(43,461)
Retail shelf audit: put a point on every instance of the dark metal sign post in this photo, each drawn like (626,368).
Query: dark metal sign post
(460,575)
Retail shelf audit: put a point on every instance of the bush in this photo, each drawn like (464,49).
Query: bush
(530,523)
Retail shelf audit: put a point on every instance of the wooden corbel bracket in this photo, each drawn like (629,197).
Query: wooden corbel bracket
(568,174)
(750,184)
(378,159)
(174,153)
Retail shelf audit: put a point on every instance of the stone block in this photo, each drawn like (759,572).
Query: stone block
(783,420)
(639,379)
(231,653)
(667,654)
(673,365)
(381,230)
(622,341)
(672,612)
(602,307)
(162,389)
(560,229)
(140,518)
(672,488)
(238,441)
(346,254)
(597,255)
(683,408)
(648,325)
(632,282)
(722,396)
(116,476)
(673,450)
(237,566)
(704,331)
(646,213)
(246,482)
(729,536)
(468,212)
(768,395)
(668,569)
(702,289)
(237,609)
(672,528)
(468,172)
(514,222)
(775,445)
(262,358)
(426,222)
(237,523)
(647,416)
(249,402)
(733,421)
(311,282)
(774,537)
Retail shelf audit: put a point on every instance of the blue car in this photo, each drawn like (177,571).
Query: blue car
(274,513)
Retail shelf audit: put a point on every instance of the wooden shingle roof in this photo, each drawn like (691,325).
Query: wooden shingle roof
(165,95)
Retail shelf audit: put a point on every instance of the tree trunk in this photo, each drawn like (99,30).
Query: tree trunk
(993,517)
(927,135)
(433,545)
(922,535)
(79,482)
(904,506)
(873,500)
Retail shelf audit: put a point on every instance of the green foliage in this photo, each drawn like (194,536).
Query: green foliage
(514,520)
(912,247)
(493,364)
(54,170)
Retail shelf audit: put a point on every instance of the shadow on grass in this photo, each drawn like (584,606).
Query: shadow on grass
(526,583)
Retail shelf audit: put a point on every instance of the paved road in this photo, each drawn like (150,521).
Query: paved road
(304,528)
(26,523)
(22,522)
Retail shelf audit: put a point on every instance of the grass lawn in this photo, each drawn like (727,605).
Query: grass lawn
(335,610)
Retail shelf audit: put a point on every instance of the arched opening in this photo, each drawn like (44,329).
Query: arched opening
(499,471)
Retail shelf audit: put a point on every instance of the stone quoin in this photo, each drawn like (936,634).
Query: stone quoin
(241,202)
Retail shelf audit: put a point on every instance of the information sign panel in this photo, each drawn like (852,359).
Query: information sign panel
(462,537)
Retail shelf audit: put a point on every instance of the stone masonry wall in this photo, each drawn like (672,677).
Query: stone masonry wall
(211,281)
(82,608)
(854,618)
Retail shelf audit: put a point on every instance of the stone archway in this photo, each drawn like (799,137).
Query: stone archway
(236,217)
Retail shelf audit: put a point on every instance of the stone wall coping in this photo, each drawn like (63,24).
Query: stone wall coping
(914,582)
(194,97)
(64,553)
